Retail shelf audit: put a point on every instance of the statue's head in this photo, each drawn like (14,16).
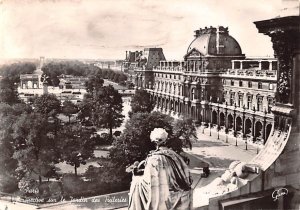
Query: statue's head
(159,136)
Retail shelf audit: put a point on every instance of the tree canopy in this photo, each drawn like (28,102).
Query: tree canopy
(47,104)
(107,109)
(134,144)
(69,108)
(34,147)
(95,83)
(141,102)
(8,91)
(13,71)
(54,69)
(76,145)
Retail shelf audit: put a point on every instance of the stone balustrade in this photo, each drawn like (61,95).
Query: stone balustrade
(251,73)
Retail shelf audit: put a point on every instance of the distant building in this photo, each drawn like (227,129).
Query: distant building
(70,87)
(34,80)
(72,82)
(215,84)
(142,60)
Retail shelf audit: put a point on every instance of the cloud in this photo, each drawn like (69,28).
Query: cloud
(105,29)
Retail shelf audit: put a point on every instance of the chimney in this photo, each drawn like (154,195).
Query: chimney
(219,41)
(126,56)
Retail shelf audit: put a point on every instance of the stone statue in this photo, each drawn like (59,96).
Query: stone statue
(162,181)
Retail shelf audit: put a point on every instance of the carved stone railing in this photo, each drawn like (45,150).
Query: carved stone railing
(251,73)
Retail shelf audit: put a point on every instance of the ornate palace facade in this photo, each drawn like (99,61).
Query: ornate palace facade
(215,85)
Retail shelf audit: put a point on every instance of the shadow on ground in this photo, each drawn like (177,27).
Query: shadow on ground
(216,162)
(203,143)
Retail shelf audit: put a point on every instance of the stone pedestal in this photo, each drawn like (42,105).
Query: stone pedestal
(45,88)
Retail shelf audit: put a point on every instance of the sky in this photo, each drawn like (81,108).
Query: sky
(103,29)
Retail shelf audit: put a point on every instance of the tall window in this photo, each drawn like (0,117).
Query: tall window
(232,99)
(259,85)
(193,94)
(249,101)
(232,82)
(240,102)
(270,104)
(241,83)
(249,84)
(271,86)
(174,89)
(259,103)
(224,96)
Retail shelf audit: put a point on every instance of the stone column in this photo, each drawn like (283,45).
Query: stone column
(270,65)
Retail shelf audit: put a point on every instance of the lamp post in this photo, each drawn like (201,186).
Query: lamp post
(210,124)
(218,127)
(245,139)
(253,115)
(235,135)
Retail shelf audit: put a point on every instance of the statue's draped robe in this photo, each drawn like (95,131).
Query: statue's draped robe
(166,183)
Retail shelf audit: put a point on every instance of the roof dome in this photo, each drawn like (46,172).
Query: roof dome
(214,41)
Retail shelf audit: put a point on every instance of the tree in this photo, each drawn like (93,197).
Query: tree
(184,133)
(76,145)
(8,165)
(34,145)
(47,104)
(85,108)
(107,112)
(76,68)
(95,83)
(134,143)
(122,79)
(69,108)
(13,71)
(141,102)
(8,91)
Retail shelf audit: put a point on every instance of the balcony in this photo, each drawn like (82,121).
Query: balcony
(251,73)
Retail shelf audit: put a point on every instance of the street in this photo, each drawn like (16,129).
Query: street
(218,155)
